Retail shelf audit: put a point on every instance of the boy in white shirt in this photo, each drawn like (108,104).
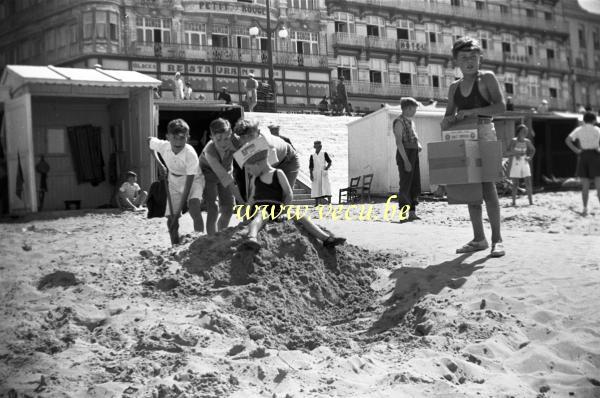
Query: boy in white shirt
(186,181)
(131,196)
(588,154)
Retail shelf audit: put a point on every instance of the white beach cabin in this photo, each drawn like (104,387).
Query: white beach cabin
(372,147)
(49,110)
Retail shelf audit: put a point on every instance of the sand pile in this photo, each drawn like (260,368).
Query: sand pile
(293,294)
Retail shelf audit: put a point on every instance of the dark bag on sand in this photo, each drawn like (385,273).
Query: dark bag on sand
(157,199)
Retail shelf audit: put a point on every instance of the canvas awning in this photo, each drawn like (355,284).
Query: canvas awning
(16,76)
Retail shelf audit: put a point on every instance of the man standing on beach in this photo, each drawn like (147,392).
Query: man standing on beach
(342,96)
(251,97)
(178,92)
(588,154)
(319,166)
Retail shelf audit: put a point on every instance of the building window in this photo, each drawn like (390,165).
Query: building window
(433,32)
(530,50)
(405,78)
(550,53)
(402,34)
(372,30)
(553,92)
(533,85)
(101,25)
(375,26)
(305,42)
(88,25)
(479,5)
(530,13)
(505,47)
(485,39)
(153,30)
(375,76)
(194,33)
(548,16)
(113,33)
(581,35)
(508,87)
(455,3)
(303,4)
(596,39)
(220,40)
(377,70)
(503,9)
(435,81)
(346,67)
(344,23)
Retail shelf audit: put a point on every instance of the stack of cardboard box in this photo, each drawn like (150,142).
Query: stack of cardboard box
(463,164)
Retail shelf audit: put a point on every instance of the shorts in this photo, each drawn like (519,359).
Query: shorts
(176,186)
(588,164)
(519,168)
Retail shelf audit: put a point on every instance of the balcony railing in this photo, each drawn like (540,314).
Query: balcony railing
(557,24)
(380,43)
(229,54)
(587,72)
(383,90)
(394,90)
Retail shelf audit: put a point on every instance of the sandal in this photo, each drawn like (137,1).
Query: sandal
(333,241)
(497,250)
(250,244)
(473,246)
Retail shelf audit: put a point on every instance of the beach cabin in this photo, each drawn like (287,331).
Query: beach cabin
(68,134)
(372,146)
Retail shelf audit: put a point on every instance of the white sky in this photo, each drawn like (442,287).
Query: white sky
(590,5)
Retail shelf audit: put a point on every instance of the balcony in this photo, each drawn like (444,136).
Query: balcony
(383,44)
(393,90)
(225,54)
(587,72)
(558,25)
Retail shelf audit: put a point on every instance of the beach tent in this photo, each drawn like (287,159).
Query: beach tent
(372,146)
(50,110)
(553,158)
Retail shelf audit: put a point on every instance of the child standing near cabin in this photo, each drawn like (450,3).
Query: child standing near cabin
(270,187)
(407,157)
(477,96)
(185,180)
(521,150)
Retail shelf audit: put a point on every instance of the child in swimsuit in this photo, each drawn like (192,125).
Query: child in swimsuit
(270,187)
(477,95)
(521,150)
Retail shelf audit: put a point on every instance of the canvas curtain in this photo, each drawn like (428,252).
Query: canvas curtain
(86,152)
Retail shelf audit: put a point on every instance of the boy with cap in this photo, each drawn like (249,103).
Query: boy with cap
(477,96)
(269,187)
(407,157)
(274,129)
(185,180)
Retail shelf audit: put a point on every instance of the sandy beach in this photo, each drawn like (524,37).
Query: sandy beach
(100,305)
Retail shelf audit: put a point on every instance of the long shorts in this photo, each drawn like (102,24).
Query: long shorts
(177,185)
(588,164)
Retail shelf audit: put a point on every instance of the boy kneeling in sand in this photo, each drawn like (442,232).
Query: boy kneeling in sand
(269,187)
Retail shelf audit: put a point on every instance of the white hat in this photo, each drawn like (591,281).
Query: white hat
(251,74)
(250,149)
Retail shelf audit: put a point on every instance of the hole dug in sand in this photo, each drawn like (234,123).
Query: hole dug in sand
(58,278)
(300,293)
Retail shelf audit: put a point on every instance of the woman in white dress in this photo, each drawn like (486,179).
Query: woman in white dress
(521,151)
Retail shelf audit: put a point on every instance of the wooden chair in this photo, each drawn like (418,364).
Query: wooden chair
(350,193)
(365,190)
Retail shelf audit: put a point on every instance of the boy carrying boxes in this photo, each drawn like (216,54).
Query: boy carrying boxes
(477,97)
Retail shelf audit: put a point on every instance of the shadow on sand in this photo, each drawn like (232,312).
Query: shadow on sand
(412,284)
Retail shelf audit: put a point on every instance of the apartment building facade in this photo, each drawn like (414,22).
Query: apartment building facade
(539,49)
